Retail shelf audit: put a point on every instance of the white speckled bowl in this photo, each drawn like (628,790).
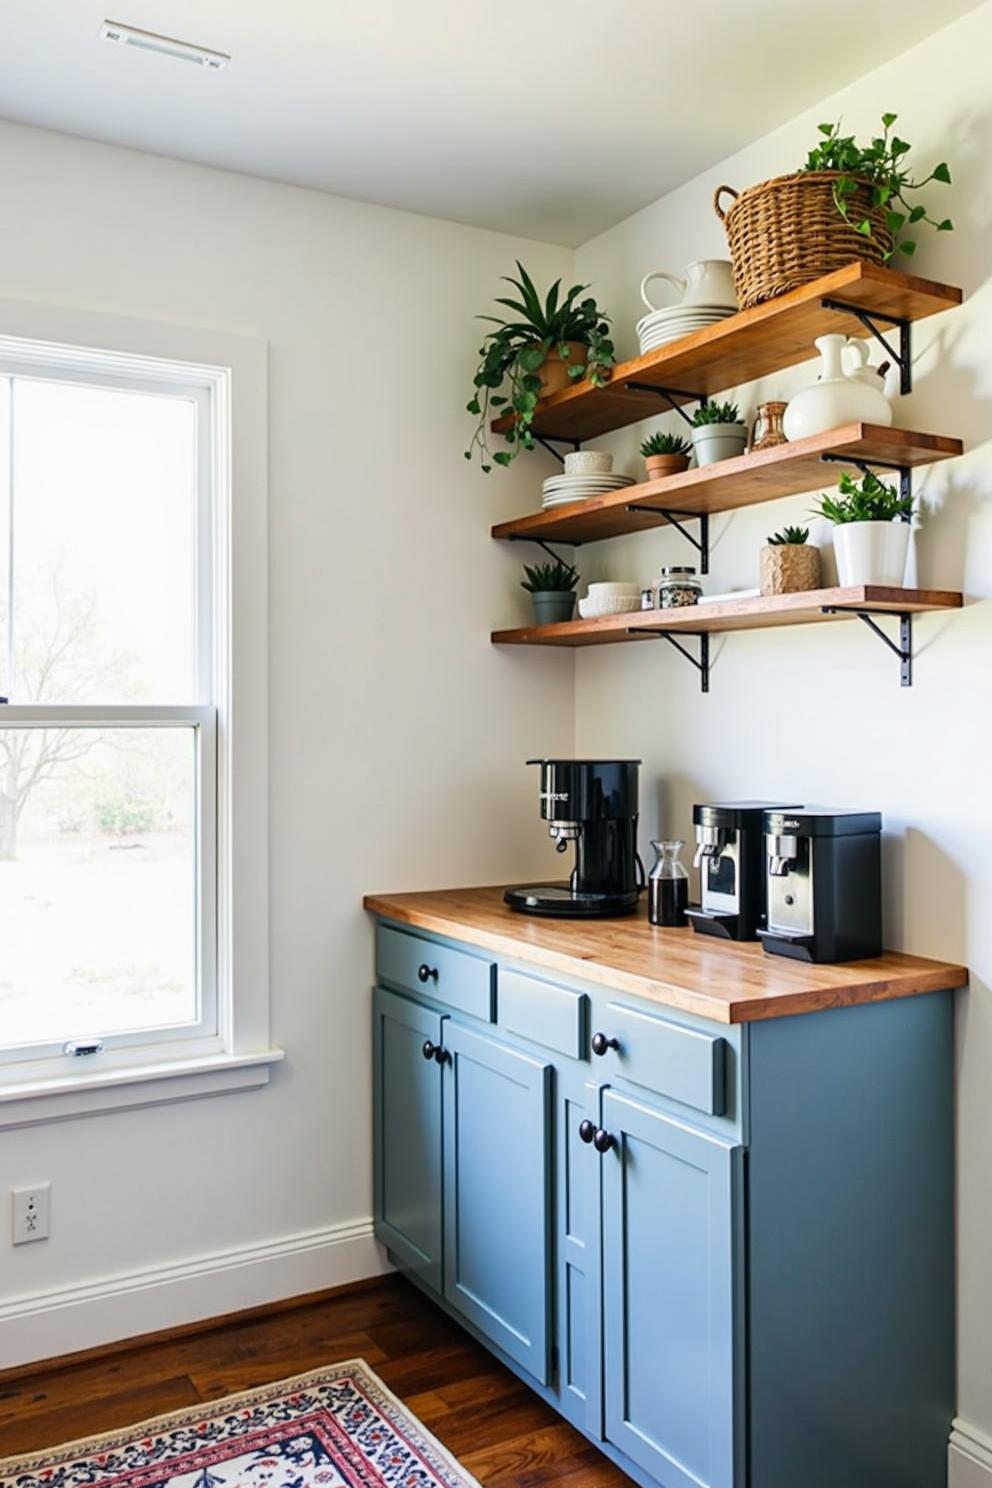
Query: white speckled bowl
(588,462)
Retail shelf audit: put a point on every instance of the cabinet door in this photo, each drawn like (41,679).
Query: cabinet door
(577,1276)
(407,1134)
(496,1200)
(672,1295)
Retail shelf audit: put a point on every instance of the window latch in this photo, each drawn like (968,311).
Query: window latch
(83,1049)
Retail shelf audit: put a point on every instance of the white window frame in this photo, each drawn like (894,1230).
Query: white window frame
(230,716)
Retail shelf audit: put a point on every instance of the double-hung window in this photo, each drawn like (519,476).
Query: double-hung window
(114,655)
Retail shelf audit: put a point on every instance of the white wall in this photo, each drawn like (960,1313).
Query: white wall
(817,714)
(398,735)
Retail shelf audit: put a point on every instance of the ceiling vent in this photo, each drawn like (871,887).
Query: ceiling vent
(166,46)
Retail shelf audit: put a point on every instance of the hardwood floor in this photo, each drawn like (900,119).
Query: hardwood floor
(496,1427)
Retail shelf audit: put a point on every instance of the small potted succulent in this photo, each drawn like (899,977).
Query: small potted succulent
(551,587)
(718,432)
(548,344)
(789,562)
(871,530)
(665,454)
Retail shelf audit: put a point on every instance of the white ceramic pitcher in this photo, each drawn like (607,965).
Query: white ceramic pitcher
(708,281)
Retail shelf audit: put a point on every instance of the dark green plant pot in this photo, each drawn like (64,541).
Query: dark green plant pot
(551,606)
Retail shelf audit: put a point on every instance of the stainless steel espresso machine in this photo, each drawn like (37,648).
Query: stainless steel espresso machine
(824,884)
(730,853)
(592,803)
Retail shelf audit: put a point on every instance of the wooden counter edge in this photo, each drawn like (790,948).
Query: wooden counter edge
(931,976)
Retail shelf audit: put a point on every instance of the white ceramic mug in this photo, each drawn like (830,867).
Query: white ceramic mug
(708,281)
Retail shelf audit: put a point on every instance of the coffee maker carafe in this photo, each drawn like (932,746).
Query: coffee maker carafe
(592,803)
(824,884)
(730,854)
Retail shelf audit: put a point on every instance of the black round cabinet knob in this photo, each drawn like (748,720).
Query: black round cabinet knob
(441,1055)
(587,1130)
(602,1141)
(600,1043)
(427,973)
(429,1050)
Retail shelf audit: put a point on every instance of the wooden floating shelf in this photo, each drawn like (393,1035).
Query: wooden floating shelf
(751,344)
(764,475)
(734,614)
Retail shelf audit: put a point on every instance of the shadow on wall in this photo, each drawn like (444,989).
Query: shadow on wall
(922,885)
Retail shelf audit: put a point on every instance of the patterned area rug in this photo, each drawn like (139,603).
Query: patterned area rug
(333,1428)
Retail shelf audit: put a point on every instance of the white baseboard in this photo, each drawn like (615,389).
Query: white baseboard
(969,1458)
(46,1324)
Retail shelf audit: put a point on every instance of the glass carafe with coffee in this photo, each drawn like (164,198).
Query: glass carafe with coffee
(668,885)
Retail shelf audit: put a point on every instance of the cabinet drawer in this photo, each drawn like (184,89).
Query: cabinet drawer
(682,1063)
(456,978)
(542,1012)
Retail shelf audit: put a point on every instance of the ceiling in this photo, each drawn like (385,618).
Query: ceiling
(548,118)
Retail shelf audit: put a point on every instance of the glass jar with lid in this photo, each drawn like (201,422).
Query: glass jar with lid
(678,586)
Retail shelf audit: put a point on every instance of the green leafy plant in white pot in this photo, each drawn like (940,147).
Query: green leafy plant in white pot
(551,587)
(718,432)
(871,524)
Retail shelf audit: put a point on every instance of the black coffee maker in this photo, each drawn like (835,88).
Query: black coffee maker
(592,803)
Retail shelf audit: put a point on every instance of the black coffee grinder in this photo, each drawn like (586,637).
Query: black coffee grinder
(592,803)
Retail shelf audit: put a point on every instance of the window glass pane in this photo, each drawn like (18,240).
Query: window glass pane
(97,881)
(104,545)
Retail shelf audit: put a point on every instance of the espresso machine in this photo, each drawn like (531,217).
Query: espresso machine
(730,853)
(824,884)
(592,803)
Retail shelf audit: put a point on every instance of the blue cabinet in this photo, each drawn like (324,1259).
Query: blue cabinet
(672,1294)
(407,1133)
(496,1193)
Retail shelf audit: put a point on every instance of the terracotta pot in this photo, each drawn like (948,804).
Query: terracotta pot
(789,568)
(553,372)
(658,466)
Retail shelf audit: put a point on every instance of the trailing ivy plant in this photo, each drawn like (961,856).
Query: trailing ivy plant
(550,578)
(883,164)
(867,500)
(665,444)
(715,413)
(512,356)
(789,537)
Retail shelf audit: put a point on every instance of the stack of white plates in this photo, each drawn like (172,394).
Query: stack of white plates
(662,326)
(558,490)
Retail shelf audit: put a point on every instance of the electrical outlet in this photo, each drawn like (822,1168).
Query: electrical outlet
(31,1212)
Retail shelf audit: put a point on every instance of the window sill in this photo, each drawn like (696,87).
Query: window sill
(64,1096)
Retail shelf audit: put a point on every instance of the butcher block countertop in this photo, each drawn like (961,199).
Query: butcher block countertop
(718,979)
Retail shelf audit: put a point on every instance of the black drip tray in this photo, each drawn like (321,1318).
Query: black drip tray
(559,900)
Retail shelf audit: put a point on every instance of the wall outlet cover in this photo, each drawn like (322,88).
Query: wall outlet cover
(30,1213)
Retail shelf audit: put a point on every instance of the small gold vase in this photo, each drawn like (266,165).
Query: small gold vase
(768,429)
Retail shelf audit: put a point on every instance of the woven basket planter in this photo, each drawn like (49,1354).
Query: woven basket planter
(789,568)
(788,231)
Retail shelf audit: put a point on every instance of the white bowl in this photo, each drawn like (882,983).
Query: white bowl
(613,591)
(591,608)
(588,462)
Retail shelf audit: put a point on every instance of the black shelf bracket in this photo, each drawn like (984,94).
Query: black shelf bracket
(540,543)
(904,648)
(905,472)
(669,395)
(903,358)
(702,665)
(548,442)
(677,519)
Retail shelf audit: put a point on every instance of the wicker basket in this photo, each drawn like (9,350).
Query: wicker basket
(788,231)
